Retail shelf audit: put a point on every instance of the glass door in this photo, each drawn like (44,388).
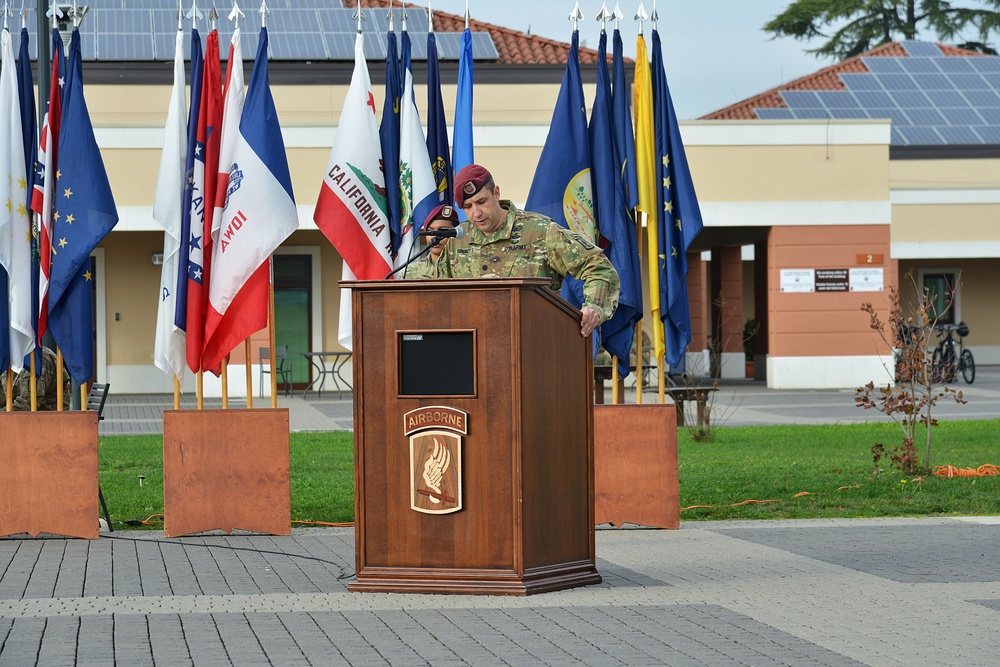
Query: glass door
(292,312)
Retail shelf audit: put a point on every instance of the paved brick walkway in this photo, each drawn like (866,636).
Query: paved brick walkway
(828,592)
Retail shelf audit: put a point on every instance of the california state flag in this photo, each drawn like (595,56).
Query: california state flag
(352,209)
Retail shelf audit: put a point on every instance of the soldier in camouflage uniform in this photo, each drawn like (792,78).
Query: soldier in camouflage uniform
(442,217)
(45,389)
(504,242)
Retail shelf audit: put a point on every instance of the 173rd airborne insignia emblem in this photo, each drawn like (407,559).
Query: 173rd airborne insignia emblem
(435,434)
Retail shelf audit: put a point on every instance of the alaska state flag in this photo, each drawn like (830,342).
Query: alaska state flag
(388,134)
(680,216)
(562,188)
(84,214)
(352,210)
(613,221)
(437,125)
(257,215)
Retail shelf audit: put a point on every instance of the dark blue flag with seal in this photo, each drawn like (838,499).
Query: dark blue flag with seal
(437,126)
(388,134)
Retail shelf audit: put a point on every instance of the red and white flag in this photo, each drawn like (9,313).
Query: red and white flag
(45,180)
(255,211)
(352,210)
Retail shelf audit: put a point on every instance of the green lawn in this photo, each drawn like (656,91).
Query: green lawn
(832,464)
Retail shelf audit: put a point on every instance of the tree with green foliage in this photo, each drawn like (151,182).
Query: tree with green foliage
(851,27)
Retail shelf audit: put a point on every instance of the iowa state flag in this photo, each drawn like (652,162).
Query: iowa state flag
(352,209)
(257,215)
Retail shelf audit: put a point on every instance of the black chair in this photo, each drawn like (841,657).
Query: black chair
(95,401)
(283,374)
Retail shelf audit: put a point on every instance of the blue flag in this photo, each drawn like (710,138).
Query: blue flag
(388,134)
(622,123)
(679,215)
(193,149)
(437,125)
(86,213)
(29,134)
(462,148)
(562,188)
(613,221)
(4,326)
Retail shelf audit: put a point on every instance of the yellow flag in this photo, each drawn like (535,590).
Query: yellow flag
(645,166)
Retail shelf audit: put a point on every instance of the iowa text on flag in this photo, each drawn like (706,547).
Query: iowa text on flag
(84,214)
(352,210)
(169,342)
(257,214)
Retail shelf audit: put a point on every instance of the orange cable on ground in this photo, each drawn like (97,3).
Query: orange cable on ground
(323,523)
(951,471)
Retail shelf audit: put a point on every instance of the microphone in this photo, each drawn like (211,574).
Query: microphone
(454,232)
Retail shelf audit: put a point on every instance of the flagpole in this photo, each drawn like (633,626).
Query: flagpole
(177,393)
(33,382)
(59,380)
(9,387)
(271,338)
(249,372)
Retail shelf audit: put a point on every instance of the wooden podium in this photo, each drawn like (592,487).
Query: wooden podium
(473,438)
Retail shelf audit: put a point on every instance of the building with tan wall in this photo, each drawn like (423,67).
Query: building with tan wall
(806,218)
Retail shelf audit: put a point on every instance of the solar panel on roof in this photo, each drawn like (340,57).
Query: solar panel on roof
(985,64)
(933,82)
(879,65)
(989,135)
(774,114)
(897,138)
(962,116)
(848,113)
(959,135)
(982,98)
(921,136)
(917,49)
(855,81)
(925,117)
(969,81)
(946,98)
(810,114)
(838,99)
(801,99)
(919,65)
(990,116)
(906,99)
(870,99)
(897,81)
(892,113)
(955,64)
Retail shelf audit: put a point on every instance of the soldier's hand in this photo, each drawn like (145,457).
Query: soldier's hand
(588,321)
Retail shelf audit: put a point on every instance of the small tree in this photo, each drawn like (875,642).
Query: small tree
(909,401)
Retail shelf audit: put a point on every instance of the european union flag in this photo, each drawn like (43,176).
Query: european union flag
(84,214)
(613,221)
(388,134)
(437,126)
(562,188)
(193,148)
(679,215)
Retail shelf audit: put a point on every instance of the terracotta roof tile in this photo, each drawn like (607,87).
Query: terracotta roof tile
(514,47)
(827,78)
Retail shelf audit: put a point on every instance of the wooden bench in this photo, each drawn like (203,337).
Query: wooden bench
(699,394)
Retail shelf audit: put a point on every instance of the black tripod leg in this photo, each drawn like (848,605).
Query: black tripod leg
(104,506)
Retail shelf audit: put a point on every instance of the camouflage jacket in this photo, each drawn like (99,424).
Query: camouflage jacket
(45,387)
(529,245)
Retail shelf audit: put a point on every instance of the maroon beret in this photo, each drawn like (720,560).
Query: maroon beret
(470,180)
(442,212)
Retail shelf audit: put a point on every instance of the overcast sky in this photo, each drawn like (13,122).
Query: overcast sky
(715,52)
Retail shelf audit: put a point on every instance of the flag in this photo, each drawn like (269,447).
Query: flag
(645,164)
(462,147)
(15,224)
(388,134)
(615,225)
(84,214)
(169,343)
(204,176)
(43,195)
(29,135)
(352,209)
(258,213)
(561,188)
(622,125)
(437,125)
(418,190)
(680,216)
(194,151)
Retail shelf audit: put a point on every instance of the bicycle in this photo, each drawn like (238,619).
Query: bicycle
(950,356)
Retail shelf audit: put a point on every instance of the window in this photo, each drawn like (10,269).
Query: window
(943,291)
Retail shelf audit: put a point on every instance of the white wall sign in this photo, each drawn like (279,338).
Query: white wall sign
(798,280)
(867,280)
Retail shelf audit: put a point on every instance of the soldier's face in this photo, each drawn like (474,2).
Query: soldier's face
(483,210)
(436,251)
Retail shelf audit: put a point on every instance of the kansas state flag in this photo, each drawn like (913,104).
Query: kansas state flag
(84,214)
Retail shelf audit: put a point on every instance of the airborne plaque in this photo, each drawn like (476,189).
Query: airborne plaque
(435,434)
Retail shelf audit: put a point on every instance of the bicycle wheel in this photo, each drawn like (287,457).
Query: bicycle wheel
(968,367)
